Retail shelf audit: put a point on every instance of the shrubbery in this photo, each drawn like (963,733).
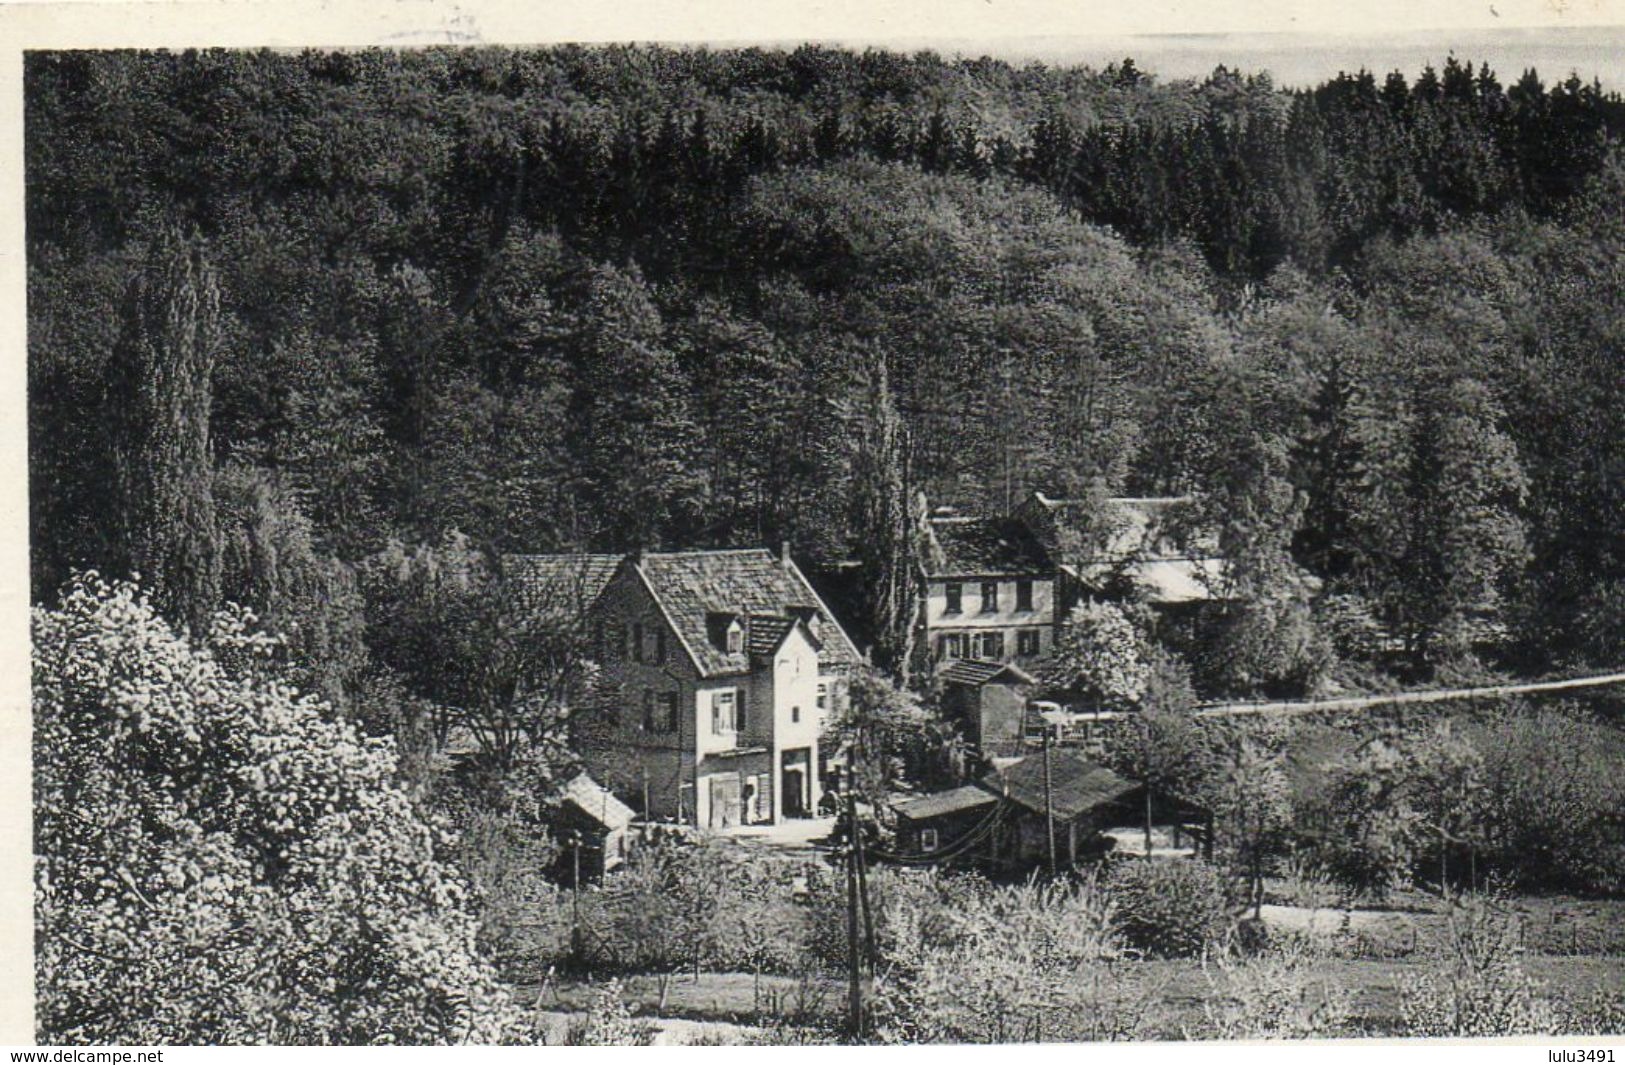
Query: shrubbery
(1279,993)
(1482,989)
(219,861)
(1004,964)
(1169,909)
(608,1022)
(1551,813)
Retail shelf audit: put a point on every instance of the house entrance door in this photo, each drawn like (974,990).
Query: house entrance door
(794,785)
(795,777)
(724,801)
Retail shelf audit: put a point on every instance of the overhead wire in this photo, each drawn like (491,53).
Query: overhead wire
(974,835)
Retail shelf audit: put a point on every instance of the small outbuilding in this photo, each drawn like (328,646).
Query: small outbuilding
(591,826)
(988,701)
(1002,823)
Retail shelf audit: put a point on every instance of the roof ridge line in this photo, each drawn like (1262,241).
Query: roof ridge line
(709,551)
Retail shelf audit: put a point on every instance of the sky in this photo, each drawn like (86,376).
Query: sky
(1299,59)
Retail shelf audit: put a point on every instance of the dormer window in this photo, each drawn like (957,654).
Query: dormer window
(726,631)
(807,615)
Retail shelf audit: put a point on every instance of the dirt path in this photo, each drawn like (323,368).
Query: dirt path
(1441,695)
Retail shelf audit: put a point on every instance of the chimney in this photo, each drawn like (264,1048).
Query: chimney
(784,553)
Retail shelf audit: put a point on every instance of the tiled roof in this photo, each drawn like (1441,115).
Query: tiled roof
(765,632)
(691,585)
(956,800)
(560,583)
(970,547)
(596,802)
(976,673)
(1077,785)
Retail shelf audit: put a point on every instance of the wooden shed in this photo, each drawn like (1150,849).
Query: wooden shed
(988,700)
(591,826)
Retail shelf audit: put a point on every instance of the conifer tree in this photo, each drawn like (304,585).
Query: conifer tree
(633,432)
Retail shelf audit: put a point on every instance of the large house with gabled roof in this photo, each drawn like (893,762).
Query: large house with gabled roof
(988,591)
(718,669)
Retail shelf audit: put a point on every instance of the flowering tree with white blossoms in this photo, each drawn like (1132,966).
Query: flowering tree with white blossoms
(218,860)
(1101,657)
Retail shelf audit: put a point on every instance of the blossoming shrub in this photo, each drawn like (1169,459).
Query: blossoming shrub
(1170,908)
(218,861)
(1283,991)
(1029,962)
(1481,988)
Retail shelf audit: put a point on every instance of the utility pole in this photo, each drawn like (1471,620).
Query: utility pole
(575,895)
(1049,803)
(854,991)
(863,883)
(1148,818)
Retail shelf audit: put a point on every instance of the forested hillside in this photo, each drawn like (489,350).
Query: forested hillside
(586,299)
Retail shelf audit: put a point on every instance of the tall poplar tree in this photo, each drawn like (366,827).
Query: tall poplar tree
(885,523)
(156,411)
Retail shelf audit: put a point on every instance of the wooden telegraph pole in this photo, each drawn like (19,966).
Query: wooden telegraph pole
(854,991)
(863,882)
(1049,803)
(575,894)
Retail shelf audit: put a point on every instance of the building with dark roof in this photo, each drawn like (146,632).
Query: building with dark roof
(987,592)
(562,586)
(988,701)
(1001,823)
(718,669)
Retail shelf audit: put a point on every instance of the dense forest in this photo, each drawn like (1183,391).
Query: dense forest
(584,299)
(317,340)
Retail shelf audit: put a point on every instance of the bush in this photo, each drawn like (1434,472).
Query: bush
(998,965)
(1600,1013)
(220,861)
(1481,989)
(1275,994)
(900,900)
(1553,802)
(1169,909)
(608,1022)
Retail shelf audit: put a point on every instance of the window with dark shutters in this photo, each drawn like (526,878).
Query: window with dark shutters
(672,724)
(954,592)
(1024,595)
(990,597)
(724,713)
